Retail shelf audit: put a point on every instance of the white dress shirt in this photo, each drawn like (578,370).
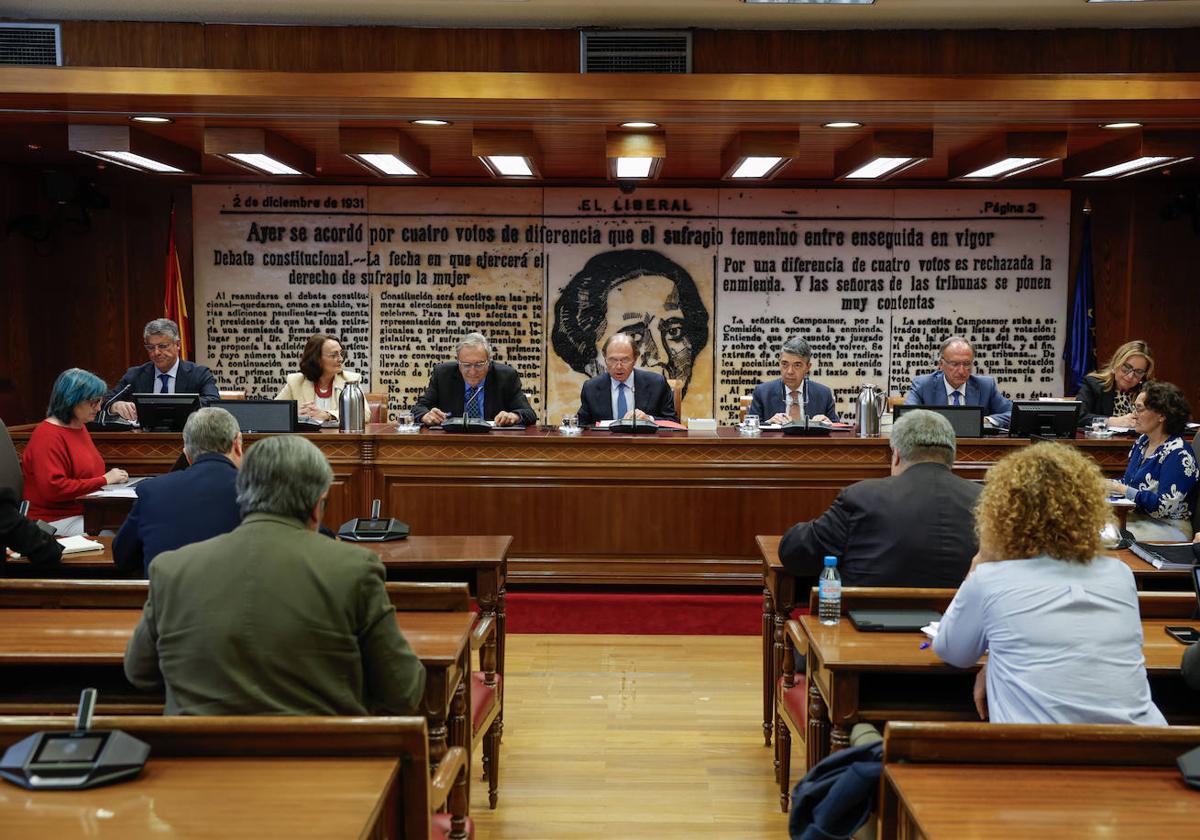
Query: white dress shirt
(628,383)
(1064,641)
(950,390)
(170,382)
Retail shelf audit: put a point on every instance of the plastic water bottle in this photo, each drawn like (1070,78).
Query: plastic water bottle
(829,593)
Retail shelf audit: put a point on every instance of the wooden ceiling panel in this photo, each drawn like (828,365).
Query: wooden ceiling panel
(569,114)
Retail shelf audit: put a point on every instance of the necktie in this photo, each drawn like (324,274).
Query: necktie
(166,380)
(473,403)
(957,397)
(794,408)
(622,403)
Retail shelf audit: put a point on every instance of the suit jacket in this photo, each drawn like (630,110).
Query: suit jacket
(930,389)
(1098,402)
(176,509)
(273,619)
(912,529)
(301,389)
(191,378)
(770,398)
(651,394)
(501,392)
(23,535)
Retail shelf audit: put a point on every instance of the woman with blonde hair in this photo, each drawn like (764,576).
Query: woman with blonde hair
(1111,391)
(1059,622)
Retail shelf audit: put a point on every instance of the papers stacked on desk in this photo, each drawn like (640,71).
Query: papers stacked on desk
(77,544)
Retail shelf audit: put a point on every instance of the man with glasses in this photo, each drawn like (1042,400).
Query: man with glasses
(625,392)
(955,384)
(165,373)
(793,397)
(474,386)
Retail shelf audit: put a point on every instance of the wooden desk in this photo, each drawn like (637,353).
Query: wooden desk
(887,676)
(48,656)
(781,597)
(208,797)
(987,802)
(105,513)
(689,503)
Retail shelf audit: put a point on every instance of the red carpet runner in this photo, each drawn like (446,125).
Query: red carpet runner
(655,614)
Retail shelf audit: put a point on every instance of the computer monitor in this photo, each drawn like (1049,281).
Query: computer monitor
(165,412)
(262,416)
(967,420)
(1055,419)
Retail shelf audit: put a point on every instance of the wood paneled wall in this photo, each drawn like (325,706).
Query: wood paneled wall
(81,297)
(379,48)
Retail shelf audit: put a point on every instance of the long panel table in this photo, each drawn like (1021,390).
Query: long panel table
(676,508)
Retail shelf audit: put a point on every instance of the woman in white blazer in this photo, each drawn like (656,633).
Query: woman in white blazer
(317,387)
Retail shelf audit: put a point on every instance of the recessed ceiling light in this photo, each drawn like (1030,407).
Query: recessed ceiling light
(146,118)
(511,166)
(842,125)
(639,125)
(1121,125)
(431,122)
(265,163)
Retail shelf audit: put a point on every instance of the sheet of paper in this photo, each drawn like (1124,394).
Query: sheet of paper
(931,629)
(76,544)
(115,491)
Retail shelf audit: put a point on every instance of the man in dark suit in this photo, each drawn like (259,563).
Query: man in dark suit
(625,392)
(474,386)
(33,539)
(915,528)
(272,618)
(165,373)
(793,396)
(180,508)
(954,384)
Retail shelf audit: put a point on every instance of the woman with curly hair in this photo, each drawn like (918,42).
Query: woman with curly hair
(1060,624)
(1162,471)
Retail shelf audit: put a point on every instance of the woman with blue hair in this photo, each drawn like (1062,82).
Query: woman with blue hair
(60,462)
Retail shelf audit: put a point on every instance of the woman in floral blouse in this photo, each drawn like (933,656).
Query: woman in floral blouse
(1162,470)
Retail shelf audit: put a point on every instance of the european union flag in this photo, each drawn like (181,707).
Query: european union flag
(1080,351)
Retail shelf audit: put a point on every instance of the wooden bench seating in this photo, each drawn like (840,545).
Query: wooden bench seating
(985,779)
(410,799)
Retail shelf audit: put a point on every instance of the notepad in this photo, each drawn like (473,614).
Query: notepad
(77,544)
(1167,555)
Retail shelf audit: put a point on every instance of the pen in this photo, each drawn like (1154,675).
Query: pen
(924,646)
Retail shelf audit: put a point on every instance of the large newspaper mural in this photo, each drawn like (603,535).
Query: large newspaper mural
(709,282)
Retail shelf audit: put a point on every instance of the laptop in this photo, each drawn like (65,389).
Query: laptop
(892,621)
(967,420)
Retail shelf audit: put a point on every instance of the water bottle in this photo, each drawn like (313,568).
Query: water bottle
(829,593)
(353,407)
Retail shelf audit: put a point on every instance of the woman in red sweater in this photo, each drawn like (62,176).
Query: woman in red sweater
(60,462)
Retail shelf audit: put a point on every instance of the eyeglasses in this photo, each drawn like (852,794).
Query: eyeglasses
(472,365)
(793,365)
(620,362)
(1141,409)
(338,355)
(958,365)
(1130,370)
(150,348)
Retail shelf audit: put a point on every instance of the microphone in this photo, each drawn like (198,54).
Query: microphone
(87,706)
(120,393)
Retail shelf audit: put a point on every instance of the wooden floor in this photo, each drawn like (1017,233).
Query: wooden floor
(632,737)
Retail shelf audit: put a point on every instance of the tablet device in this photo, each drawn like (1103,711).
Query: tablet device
(892,621)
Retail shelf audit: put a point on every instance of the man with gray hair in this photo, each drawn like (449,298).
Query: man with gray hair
(955,383)
(185,506)
(273,618)
(165,373)
(474,386)
(915,528)
(793,397)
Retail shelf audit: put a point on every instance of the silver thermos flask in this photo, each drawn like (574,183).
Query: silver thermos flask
(353,408)
(869,408)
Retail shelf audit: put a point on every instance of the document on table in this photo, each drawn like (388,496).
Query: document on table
(77,544)
(931,629)
(119,491)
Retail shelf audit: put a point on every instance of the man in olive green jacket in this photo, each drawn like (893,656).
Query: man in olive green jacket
(273,618)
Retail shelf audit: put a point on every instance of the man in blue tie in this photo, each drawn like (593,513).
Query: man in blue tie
(624,391)
(474,386)
(165,373)
(955,384)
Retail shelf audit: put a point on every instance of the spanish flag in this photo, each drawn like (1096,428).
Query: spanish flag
(174,300)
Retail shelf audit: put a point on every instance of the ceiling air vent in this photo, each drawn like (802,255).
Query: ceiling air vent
(635,52)
(30,43)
